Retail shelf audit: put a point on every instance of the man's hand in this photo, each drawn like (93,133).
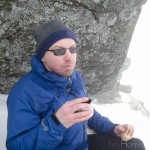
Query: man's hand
(124,131)
(66,113)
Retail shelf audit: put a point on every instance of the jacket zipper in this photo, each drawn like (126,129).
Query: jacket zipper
(68,90)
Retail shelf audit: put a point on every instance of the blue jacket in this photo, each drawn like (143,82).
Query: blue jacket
(31,102)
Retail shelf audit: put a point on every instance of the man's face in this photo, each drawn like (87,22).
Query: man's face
(63,64)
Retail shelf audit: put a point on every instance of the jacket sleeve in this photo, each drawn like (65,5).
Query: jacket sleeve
(26,130)
(97,122)
(100,124)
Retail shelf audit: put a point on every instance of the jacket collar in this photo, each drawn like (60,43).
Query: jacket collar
(58,80)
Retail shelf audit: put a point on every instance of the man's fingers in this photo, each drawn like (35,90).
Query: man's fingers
(128,134)
(77,101)
(82,119)
(66,113)
(131,131)
(76,118)
(83,114)
(80,106)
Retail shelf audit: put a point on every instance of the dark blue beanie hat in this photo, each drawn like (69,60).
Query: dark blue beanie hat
(46,34)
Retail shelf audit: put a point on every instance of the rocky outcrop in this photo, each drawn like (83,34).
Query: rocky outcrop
(105,28)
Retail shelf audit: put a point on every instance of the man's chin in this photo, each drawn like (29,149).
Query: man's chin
(68,74)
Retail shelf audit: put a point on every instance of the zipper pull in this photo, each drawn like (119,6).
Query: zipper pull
(70,82)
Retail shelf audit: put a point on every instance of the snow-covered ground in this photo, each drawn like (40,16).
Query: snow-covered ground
(121,113)
(118,113)
(3,121)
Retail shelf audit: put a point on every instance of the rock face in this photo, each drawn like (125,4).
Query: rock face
(105,28)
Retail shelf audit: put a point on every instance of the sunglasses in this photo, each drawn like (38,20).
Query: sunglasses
(62,51)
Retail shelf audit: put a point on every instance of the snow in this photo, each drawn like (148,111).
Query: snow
(118,113)
(121,113)
(3,121)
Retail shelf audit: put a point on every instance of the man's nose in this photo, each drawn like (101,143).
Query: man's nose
(68,55)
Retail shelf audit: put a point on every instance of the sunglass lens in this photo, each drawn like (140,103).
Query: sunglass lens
(59,52)
(73,49)
(62,51)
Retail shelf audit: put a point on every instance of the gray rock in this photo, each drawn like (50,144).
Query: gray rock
(104,27)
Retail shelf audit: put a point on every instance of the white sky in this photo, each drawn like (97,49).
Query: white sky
(138,74)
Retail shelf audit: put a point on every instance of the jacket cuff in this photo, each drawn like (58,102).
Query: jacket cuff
(112,133)
(54,127)
(55,119)
(54,124)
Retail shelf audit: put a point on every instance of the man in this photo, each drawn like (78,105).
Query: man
(48,109)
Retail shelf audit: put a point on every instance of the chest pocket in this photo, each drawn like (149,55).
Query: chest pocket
(45,104)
